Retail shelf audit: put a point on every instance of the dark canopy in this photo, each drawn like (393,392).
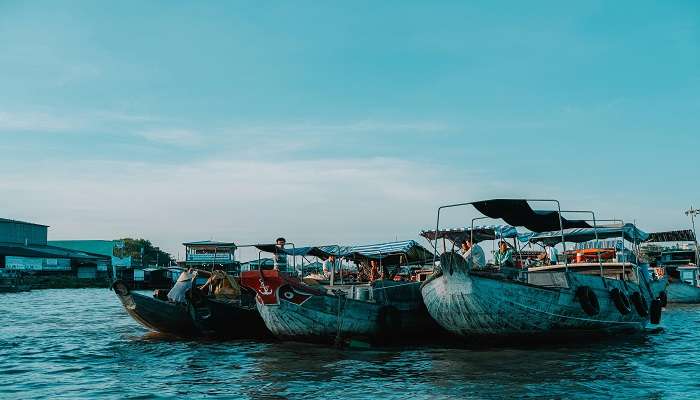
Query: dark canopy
(519,213)
(481,233)
(579,235)
(672,236)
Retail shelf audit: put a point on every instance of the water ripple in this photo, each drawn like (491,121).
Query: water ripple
(81,344)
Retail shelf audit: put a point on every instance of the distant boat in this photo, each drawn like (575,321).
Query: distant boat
(564,298)
(679,263)
(187,312)
(383,311)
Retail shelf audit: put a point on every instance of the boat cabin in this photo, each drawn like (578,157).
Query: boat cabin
(210,255)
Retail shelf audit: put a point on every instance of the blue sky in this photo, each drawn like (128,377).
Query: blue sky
(341,121)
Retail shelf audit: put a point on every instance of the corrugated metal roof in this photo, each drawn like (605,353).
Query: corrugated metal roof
(15,221)
(40,251)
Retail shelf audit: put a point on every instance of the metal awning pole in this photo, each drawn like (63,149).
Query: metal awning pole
(563,240)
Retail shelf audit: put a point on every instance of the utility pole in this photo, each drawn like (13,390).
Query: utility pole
(692,213)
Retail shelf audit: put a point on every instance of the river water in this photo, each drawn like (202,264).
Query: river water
(81,344)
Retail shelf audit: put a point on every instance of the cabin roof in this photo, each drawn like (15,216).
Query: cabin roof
(209,243)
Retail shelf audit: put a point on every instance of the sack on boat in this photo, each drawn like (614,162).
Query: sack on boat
(224,286)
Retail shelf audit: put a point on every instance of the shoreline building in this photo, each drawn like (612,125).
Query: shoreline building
(24,247)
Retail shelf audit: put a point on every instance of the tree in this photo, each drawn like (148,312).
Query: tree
(151,255)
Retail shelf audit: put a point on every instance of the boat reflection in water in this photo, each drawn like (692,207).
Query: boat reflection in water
(565,298)
(384,310)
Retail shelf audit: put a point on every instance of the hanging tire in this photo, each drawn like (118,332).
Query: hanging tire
(588,300)
(663,296)
(655,312)
(622,302)
(640,304)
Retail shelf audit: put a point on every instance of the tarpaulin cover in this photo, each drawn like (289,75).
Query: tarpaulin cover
(481,233)
(392,253)
(672,236)
(314,251)
(578,235)
(519,213)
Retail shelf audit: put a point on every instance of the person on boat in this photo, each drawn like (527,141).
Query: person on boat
(280,256)
(474,253)
(376,272)
(329,267)
(550,256)
(504,255)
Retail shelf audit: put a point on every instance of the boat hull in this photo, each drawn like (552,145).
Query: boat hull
(295,311)
(470,304)
(228,320)
(156,315)
(683,293)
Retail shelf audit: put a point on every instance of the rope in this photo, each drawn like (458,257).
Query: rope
(338,336)
(568,317)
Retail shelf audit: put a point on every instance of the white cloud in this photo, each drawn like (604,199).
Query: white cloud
(175,137)
(322,201)
(36,121)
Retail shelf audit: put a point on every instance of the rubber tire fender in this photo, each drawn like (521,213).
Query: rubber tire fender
(655,312)
(621,301)
(663,296)
(640,304)
(588,300)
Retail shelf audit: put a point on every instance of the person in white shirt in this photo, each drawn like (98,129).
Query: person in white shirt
(329,267)
(550,256)
(474,253)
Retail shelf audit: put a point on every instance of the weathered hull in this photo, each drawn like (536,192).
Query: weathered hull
(683,293)
(294,311)
(157,315)
(229,320)
(472,305)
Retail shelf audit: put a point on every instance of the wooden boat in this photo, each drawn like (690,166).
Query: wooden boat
(558,299)
(159,315)
(187,312)
(383,311)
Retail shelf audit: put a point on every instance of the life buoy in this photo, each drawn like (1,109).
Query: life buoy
(640,304)
(622,302)
(655,312)
(588,300)
(663,296)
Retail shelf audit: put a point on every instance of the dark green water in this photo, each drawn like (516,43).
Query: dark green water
(82,344)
